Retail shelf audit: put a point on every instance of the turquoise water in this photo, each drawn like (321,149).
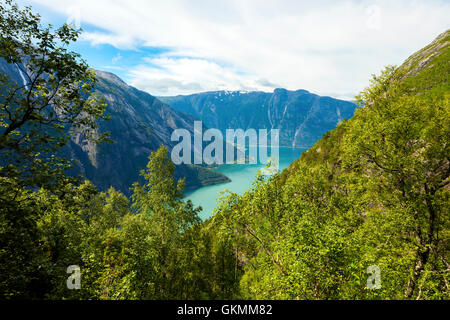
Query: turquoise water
(241,175)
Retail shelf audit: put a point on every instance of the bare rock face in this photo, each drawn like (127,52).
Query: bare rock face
(301,117)
(139,125)
(421,59)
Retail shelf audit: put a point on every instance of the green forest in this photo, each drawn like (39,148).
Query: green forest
(372,192)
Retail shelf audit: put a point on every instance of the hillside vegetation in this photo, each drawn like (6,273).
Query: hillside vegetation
(371,195)
(373,192)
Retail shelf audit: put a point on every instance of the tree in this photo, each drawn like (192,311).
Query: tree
(40,109)
(373,192)
(399,140)
(51,102)
(159,203)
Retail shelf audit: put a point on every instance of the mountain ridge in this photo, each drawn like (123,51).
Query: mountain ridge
(301,116)
(139,125)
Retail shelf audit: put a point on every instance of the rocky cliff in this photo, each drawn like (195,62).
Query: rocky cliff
(302,117)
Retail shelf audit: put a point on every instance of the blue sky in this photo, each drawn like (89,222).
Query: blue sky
(185,46)
(102,56)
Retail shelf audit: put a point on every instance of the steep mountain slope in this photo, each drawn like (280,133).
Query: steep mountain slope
(369,201)
(302,117)
(139,124)
(425,72)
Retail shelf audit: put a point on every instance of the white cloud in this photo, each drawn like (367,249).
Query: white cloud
(118,41)
(171,76)
(321,46)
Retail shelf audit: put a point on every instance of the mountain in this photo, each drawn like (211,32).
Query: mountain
(139,125)
(364,213)
(302,117)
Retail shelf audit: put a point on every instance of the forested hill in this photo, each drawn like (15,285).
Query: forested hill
(423,74)
(302,117)
(370,197)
